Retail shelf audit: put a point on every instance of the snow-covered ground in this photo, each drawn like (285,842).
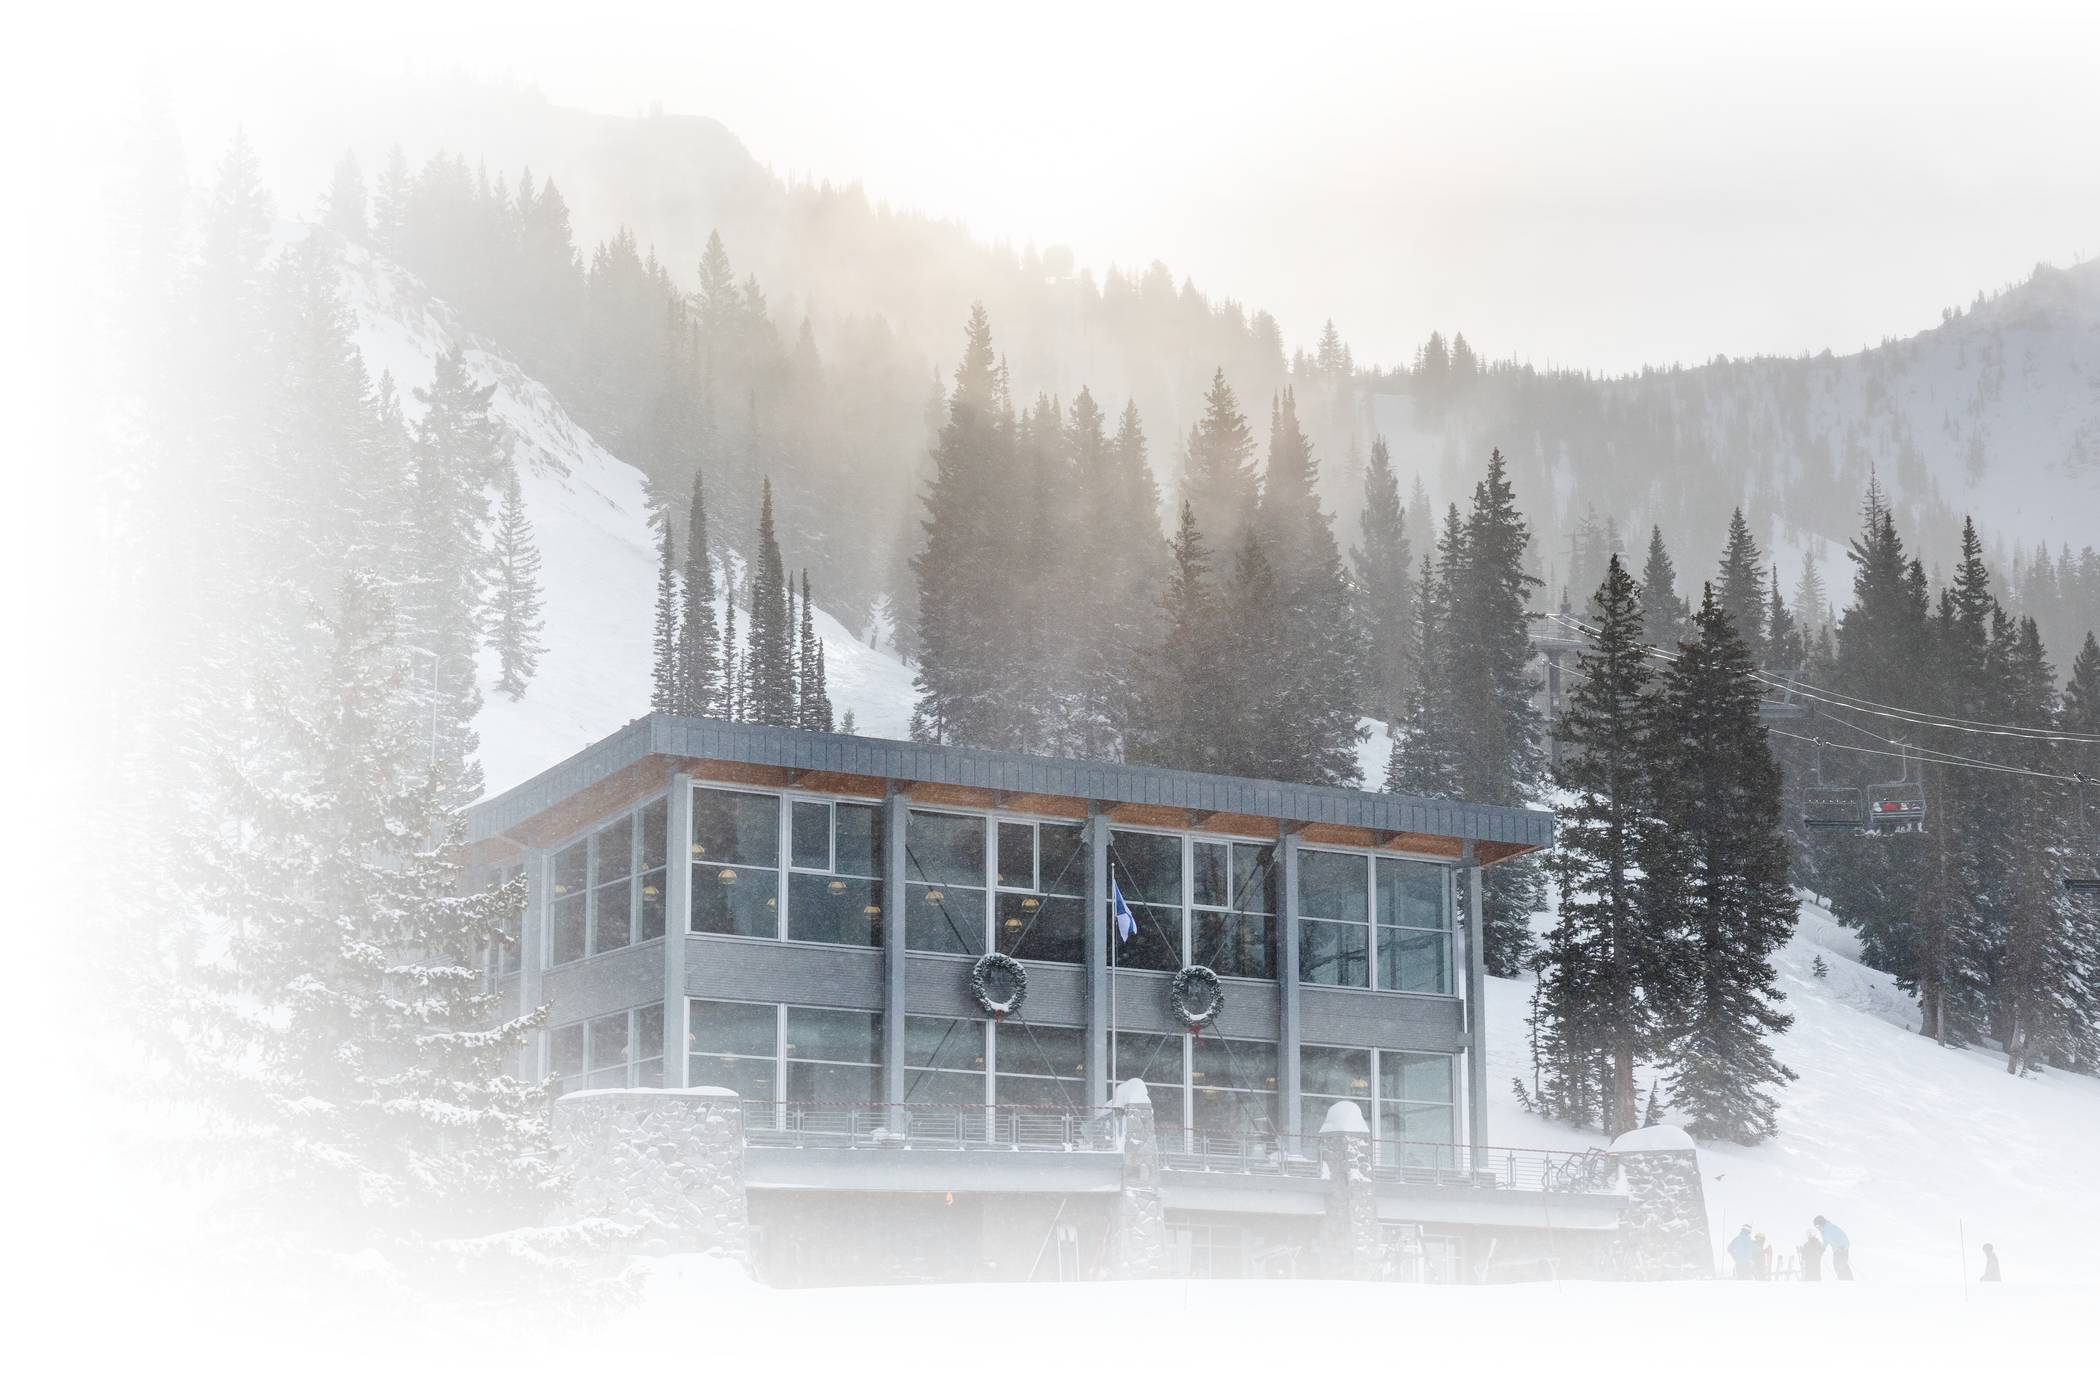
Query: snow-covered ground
(1913,1148)
(598,553)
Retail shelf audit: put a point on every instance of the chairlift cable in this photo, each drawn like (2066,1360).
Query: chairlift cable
(1944,762)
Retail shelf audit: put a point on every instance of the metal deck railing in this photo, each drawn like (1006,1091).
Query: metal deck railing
(1046,1128)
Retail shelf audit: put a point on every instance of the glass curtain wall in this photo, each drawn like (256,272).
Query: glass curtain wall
(835,875)
(624,1050)
(1041,876)
(944,869)
(736,863)
(608,888)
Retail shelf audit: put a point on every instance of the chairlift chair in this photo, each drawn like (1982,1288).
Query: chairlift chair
(1828,806)
(2084,884)
(1900,805)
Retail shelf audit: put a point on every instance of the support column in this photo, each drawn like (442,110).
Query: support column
(1351,1243)
(678,922)
(1476,1013)
(1099,978)
(894,967)
(1290,1022)
(532,951)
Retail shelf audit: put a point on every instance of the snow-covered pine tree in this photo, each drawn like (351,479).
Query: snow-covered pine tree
(769,675)
(736,661)
(459,455)
(1719,876)
(1741,586)
(1608,969)
(2045,988)
(341,1037)
(1663,612)
(812,690)
(665,673)
(1251,724)
(699,636)
(1384,566)
(514,604)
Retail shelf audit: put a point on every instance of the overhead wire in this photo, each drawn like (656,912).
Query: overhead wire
(1897,714)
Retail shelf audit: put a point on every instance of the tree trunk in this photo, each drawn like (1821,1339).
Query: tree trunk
(1625,1111)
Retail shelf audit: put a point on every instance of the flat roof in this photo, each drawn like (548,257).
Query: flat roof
(661,743)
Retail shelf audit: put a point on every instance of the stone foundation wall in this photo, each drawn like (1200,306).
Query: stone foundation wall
(1137,1241)
(666,1163)
(1663,1231)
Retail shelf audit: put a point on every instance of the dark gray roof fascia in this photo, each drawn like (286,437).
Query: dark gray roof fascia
(899,760)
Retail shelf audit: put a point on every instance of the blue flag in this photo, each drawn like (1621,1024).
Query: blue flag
(1125,924)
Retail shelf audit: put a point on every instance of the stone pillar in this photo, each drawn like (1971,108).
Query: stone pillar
(1137,1230)
(667,1164)
(1662,1232)
(1351,1244)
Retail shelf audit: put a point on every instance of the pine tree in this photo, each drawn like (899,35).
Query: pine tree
(974,622)
(341,1035)
(343,208)
(1607,969)
(666,678)
(769,680)
(1786,650)
(1217,474)
(1425,756)
(1721,877)
(1313,668)
(390,204)
(1384,567)
(812,691)
(1741,589)
(1662,607)
(459,455)
(736,662)
(1497,727)
(515,626)
(1811,601)
(1253,726)
(699,639)
(1178,725)
(2047,988)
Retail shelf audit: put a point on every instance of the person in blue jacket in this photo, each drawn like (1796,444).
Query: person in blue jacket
(1840,1247)
(1744,1251)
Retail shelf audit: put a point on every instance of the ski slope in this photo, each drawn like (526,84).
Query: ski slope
(598,552)
(1913,1148)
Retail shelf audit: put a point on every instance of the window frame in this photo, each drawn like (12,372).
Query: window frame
(1189,907)
(1375,924)
(637,873)
(634,1064)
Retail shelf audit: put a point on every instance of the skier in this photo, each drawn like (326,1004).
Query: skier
(1743,1250)
(1840,1246)
(1812,1258)
(1990,1265)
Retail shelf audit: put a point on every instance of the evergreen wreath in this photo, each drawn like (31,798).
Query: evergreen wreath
(993,965)
(1185,982)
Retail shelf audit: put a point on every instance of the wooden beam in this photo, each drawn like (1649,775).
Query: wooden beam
(1416,843)
(594,804)
(950,795)
(1330,834)
(721,770)
(841,784)
(1144,814)
(1040,804)
(1237,824)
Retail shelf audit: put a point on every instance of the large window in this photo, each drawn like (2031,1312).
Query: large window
(733,1045)
(1232,922)
(1146,867)
(1232,1087)
(1159,1062)
(1343,897)
(1407,1098)
(1414,926)
(944,1061)
(736,863)
(1334,919)
(1039,1066)
(944,868)
(835,876)
(608,889)
(1328,1075)
(1041,874)
(622,1051)
(1417,1116)
(833,1056)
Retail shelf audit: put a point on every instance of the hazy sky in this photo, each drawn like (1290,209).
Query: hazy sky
(1590,185)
